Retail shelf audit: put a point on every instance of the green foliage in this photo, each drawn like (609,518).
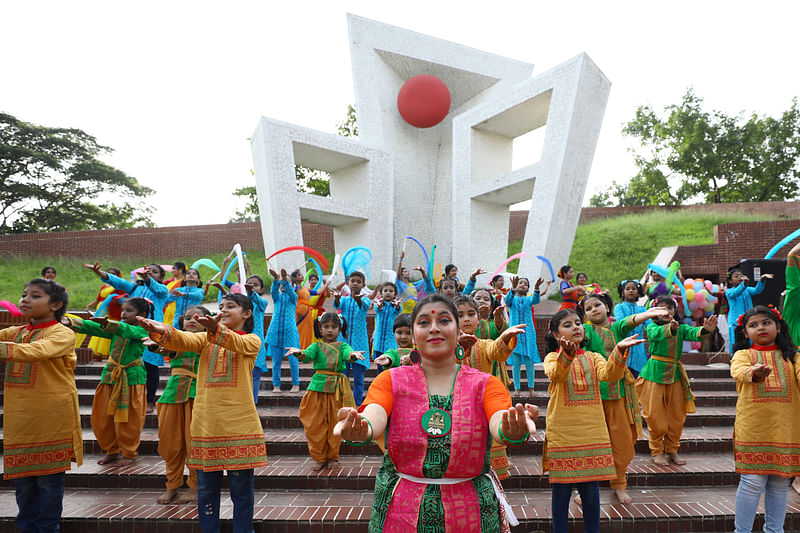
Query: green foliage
(692,154)
(51,180)
(309,180)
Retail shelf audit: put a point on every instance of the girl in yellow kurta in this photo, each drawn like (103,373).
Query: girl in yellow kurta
(41,422)
(766,443)
(577,446)
(226,430)
(488,356)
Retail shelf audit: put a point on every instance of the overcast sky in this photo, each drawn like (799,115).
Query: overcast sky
(176,88)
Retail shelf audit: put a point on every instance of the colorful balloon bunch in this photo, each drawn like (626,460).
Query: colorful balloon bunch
(700,295)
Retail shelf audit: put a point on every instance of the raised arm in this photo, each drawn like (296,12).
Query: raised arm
(246,345)
(53,346)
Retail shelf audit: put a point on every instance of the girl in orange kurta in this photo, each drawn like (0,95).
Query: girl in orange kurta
(226,430)
(304,312)
(41,422)
(577,446)
(766,434)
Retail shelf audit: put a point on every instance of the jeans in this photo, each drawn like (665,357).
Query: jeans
(375,355)
(776,492)
(294,368)
(516,361)
(241,489)
(152,382)
(256,383)
(357,371)
(40,500)
(590,497)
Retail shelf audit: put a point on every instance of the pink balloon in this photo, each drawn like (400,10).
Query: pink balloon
(693,306)
(709,286)
(699,297)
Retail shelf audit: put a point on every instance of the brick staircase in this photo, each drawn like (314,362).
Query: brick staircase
(292,498)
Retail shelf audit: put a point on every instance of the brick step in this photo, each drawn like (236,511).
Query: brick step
(358,473)
(284,442)
(280,417)
(658,511)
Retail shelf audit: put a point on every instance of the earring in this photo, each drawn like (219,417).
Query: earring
(415,357)
(460,353)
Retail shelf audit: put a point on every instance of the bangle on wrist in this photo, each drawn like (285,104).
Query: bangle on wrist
(369,439)
(510,442)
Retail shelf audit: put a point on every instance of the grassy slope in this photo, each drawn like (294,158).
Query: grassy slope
(614,249)
(607,250)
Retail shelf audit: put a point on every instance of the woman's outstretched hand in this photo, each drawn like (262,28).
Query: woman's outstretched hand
(519,420)
(352,426)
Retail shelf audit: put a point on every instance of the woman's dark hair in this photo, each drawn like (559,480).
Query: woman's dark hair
(463,299)
(549,339)
(195,310)
(329,316)
(435,298)
(448,268)
(357,274)
(563,271)
(603,297)
(495,278)
(244,302)
(114,270)
(624,283)
(48,267)
(667,299)
(180,266)
(57,293)
(402,321)
(783,340)
(199,279)
(143,307)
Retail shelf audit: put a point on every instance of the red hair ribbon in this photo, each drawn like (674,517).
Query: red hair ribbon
(775,310)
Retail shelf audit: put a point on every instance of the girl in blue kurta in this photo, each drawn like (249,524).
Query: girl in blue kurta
(740,296)
(519,306)
(387,307)
(354,310)
(187,295)
(630,291)
(149,287)
(282,332)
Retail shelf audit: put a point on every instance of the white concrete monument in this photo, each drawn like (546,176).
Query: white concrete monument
(450,184)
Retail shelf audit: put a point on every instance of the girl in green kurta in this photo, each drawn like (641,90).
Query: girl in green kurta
(405,344)
(619,398)
(118,407)
(329,389)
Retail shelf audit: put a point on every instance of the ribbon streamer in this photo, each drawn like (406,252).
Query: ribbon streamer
(520,255)
(783,242)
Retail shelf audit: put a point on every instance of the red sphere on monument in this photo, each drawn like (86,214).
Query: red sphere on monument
(423,101)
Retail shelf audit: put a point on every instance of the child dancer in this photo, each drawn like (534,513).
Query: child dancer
(412,292)
(282,332)
(492,315)
(41,420)
(175,414)
(354,310)
(226,430)
(449,287)
(100,345)
(387,307)
(118,406)
(150,288)
(620,401)
(178,275)
(487,356)
(570,294)
(663,385)
(329,389)
(187,293)
(254,286)
(402,336)
(317,301)
(576,427)
(630,290)
(519,305)
(766,438)
(740,296)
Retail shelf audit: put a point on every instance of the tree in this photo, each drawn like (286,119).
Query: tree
(308,180)
(693,155)
(51,180)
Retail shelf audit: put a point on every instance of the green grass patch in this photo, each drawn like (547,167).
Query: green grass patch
(614,249)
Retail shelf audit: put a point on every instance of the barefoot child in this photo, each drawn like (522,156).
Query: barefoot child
(175,414)
(328,391)
(663,386)
(41,420)
(486,356)
(576,427)
(226,430)
(387,307)
(354,310)
(519,307)
(620,401)
(766,438)
(118,406)
(630,291)
(402,336)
